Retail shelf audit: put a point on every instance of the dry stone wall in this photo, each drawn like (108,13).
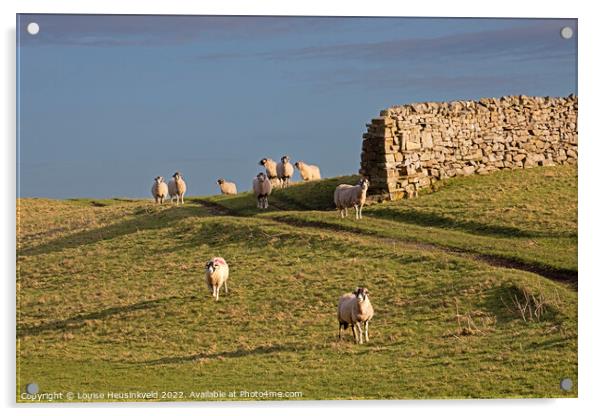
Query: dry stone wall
(409,147)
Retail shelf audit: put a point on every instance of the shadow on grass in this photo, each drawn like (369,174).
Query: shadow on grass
(560,274)
(300,196)
(79,320)
(144,219)
(430,219)
(264,349)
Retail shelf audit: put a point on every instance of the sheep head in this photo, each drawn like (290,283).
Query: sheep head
(364,182)
(361,293)
(284,159)
(211,266)
(263,161)
(159,179)
(220,181)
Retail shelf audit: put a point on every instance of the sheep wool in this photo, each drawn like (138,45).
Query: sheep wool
(308,172)
(270,167)
(285,171)
(347,196)
(227,188)
(262,188)
(216,276)
(177,188)
(159,190)
(354,309)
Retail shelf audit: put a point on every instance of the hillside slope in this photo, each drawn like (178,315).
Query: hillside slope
(110,293)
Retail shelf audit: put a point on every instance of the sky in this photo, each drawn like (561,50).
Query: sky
(105,103)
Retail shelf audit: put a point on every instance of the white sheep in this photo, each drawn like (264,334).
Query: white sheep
(216,275)
(271,170)
(285,171)
(177,188)
(308,172)
(159,190)
(347,196)
(227,188)
(262,188)
(354,309)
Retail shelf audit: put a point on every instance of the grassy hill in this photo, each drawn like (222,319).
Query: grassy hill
(111,298)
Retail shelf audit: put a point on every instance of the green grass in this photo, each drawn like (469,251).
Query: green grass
(111,298)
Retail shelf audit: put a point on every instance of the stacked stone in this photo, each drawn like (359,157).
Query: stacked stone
(411,146)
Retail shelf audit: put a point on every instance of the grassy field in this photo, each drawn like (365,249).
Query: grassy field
(111,298)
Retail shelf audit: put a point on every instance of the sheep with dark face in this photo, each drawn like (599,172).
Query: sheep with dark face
(285,171)
(227,188)
(262,188)
(216,276)
(177,188)
(159,190)
(354,309)
(271,171)
(347,196)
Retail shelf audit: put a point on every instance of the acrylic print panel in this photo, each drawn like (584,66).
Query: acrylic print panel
(295,208)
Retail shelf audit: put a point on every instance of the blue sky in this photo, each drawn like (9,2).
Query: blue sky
(106,103)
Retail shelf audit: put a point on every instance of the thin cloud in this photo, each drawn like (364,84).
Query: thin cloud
(534,41)
(541,37)
(149,30)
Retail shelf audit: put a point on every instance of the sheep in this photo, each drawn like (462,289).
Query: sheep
(262,188)
(227,188)
(308,172)
(159,190)
(271,170)
(347,196)
(285,171)
(216,275)
(177,188)
(354,309)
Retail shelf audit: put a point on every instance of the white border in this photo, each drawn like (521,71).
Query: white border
(590,69)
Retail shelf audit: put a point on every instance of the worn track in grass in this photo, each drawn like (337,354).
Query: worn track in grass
(562,275)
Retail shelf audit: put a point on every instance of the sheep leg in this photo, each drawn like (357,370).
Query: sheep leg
(353,330)
(359,331)
(226,287)
(182,199)
(366,328)
(340,330)
(266,203)
(345,213)
(361,206)
(216,292)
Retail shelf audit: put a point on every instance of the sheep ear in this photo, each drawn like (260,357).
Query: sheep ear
(356,291)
